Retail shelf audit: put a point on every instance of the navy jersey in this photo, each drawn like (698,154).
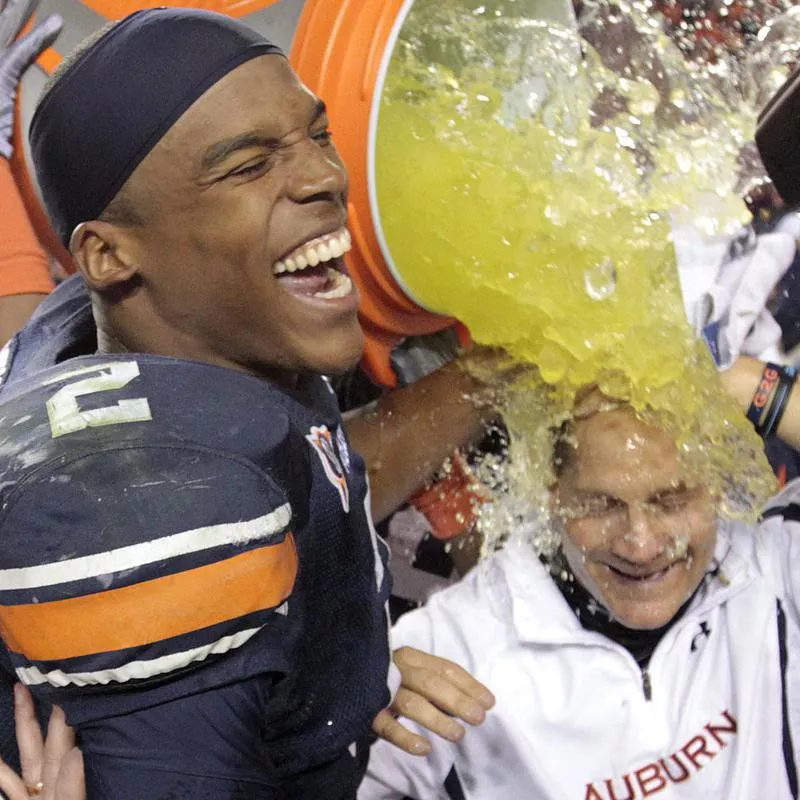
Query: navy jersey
(187,566)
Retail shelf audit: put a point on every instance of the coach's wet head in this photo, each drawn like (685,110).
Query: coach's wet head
(638,531)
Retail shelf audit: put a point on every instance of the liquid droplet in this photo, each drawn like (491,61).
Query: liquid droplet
(601,280)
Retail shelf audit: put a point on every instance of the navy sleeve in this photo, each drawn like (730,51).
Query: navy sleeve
(208,746)
(138,574)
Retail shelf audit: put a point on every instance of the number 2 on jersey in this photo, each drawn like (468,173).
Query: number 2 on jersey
(65,414)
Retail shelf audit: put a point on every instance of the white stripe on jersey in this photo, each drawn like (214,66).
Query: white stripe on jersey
(136,670)
(375,538)
(136,555)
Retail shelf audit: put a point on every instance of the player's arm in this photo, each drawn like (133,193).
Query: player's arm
(410,432)
(24,272)
(743,380)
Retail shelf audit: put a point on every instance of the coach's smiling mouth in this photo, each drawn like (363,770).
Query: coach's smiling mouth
(635,576)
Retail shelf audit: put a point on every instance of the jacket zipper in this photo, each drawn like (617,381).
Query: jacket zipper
(647,687)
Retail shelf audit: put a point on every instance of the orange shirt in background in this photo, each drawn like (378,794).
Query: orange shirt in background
(24,268)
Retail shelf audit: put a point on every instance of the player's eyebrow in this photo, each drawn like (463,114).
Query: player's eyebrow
(219,151)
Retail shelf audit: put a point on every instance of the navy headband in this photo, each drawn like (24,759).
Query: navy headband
(108,111)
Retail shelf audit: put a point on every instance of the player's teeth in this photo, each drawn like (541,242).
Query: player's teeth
(345,287)
(342,286)
(335,246)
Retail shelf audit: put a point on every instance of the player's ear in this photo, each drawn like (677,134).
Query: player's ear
(101,253)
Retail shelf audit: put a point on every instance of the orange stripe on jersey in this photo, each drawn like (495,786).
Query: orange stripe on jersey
(153,610)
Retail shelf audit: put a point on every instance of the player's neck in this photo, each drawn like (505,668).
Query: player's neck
(107,343)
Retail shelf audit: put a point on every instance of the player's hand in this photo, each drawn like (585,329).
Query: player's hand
(17,56)
(51,769)
(434,693)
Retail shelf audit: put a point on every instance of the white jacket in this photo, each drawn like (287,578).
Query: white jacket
(572,721)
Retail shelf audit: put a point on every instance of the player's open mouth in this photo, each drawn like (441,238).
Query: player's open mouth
(316,268)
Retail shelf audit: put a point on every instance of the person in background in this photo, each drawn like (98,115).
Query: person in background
(24,270)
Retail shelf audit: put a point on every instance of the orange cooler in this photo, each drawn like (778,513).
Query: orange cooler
(342,52)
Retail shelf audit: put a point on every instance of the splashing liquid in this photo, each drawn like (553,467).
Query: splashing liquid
(526,184)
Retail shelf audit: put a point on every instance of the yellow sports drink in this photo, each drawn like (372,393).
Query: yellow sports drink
(527,183)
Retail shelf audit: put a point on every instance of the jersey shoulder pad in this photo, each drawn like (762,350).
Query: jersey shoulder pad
(136,547)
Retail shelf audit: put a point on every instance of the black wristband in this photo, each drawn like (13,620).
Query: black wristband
(773,417)
(770,378)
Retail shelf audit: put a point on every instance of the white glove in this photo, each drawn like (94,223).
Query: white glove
(17,56)
(726,286)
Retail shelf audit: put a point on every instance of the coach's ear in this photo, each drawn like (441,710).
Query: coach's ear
(100,252)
